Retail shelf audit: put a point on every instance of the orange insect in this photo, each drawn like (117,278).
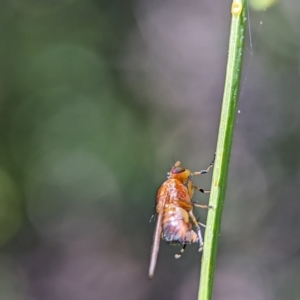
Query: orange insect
(174,212)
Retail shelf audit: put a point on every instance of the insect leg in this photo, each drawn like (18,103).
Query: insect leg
(207,169)
(178,255)
(201,224)
(201,190)
(204,206)
(203,172)
(195,223)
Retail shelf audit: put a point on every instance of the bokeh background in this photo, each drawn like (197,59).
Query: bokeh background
(97,99)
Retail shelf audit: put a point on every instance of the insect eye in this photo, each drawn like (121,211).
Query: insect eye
(177,170)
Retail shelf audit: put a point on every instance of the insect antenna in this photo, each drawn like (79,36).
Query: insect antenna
(173,160)
(176,163)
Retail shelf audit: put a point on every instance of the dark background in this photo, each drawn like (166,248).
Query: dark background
(97,99)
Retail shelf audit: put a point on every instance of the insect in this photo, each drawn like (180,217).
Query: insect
(174,212)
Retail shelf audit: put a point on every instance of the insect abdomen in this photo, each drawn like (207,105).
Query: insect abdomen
(176,227)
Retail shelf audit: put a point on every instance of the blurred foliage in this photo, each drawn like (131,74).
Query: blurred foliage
(261,4)
(97,99)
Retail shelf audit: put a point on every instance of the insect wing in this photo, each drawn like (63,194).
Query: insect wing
(155,245)
(156,240)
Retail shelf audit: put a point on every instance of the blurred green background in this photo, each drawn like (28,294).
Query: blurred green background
(97,100)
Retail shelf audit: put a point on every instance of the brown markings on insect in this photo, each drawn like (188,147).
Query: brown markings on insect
(174,212)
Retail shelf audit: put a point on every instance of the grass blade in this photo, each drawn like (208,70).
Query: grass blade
(227,120)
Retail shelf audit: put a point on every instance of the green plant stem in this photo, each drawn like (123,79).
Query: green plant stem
(224,143)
